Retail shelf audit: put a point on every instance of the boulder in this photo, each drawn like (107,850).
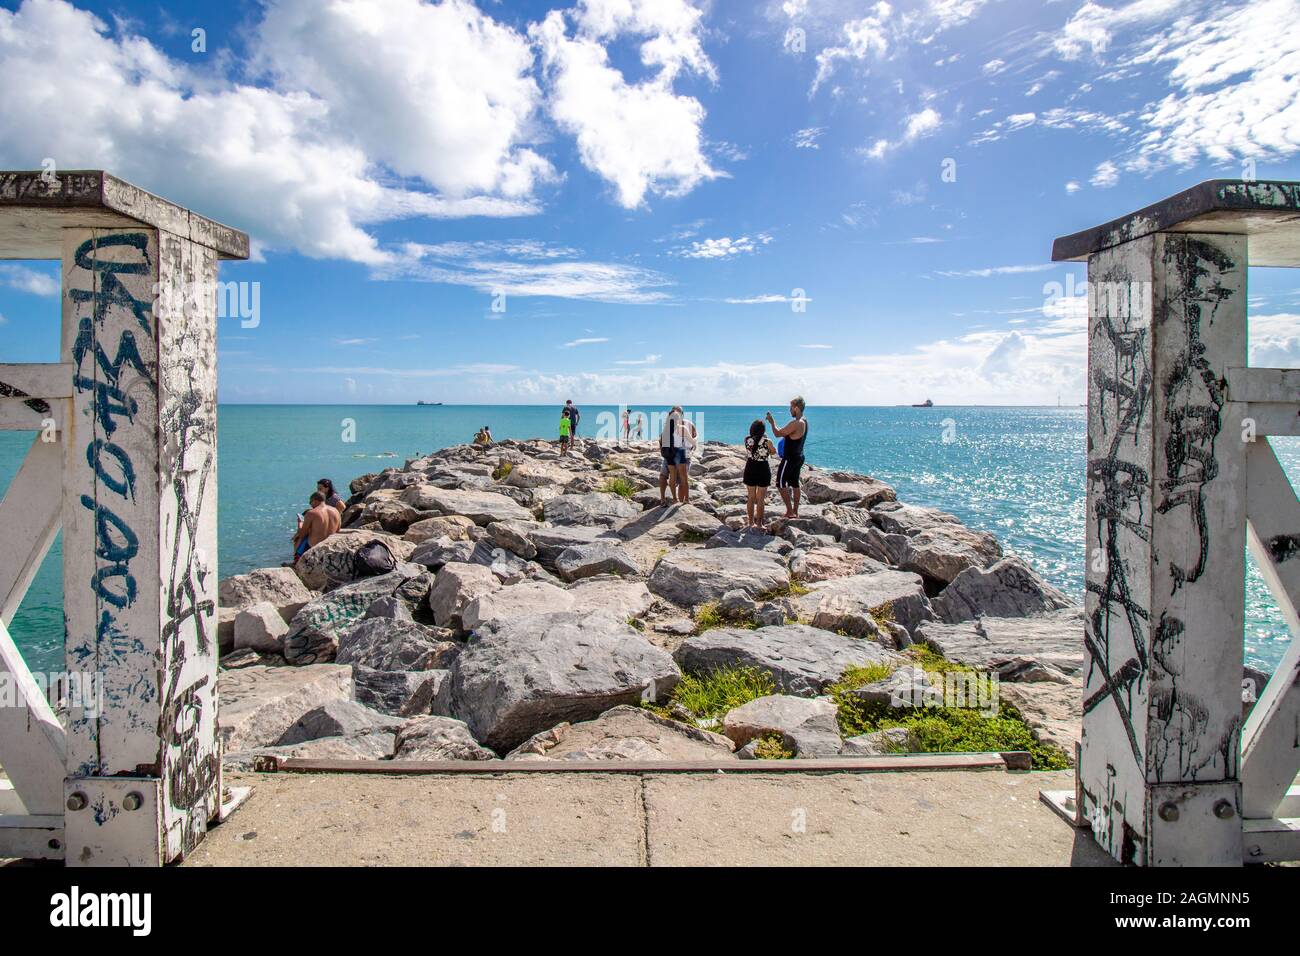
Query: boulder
(670,523)
(338,718)
(859,605)
(748,538)
(390,645)
(593,508)
(534,474)
(376,746)
(314,632)
(550,542)
(404,693)
(888,549)
(895,740)
(329,563)
(437,553)
(834,520)
(260,627)
(807,725)
(517,600)
(452,527)
(389,609)
(946,550)
(802,660)
(514,537)
(481,507)
(624,733)
(604,594)
(894,517)
(822,564)
(845,488)
(257,704)
(691,578)
(1053,639)
(394,516)
(438,738)
(524,675)
(1009,588)
(456,586)
(599,557)
(907,687)
(280,587)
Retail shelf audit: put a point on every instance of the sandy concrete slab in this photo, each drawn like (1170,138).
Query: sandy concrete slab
(362,820)
(950,818)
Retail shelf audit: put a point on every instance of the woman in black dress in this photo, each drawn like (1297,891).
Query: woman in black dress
(758,473)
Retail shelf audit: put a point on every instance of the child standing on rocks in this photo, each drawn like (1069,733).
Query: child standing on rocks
(758,473)
(566,431)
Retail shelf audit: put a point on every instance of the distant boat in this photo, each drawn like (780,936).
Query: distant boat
(428,403)
(925,404)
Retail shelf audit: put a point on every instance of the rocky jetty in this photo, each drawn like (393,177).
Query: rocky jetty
(547,608)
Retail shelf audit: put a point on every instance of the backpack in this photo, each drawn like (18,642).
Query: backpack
(373,559)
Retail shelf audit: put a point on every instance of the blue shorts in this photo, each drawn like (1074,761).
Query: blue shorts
(673,456)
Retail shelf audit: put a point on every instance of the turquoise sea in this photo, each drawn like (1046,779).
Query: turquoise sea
(1017,472)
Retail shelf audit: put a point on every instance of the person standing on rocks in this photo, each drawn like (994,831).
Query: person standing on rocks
(672,446)
(787,473)
(318,523)
(566,430)
(758,473)
(574,416)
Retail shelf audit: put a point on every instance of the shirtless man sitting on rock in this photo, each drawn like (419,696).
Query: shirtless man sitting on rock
(318,523)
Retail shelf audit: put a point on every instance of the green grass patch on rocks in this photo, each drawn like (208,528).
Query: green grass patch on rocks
(503,469)
(710,615)
(941,729)
(772,747)
(794,588)
(619,486)
(711,695)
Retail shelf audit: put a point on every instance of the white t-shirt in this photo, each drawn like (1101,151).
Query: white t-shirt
(673,434)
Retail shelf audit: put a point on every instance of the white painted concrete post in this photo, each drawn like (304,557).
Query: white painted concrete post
(139,542)
(1166,525)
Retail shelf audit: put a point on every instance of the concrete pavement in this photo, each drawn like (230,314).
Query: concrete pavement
(873,819)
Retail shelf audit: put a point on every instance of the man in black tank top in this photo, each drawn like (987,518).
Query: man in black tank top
(787,474)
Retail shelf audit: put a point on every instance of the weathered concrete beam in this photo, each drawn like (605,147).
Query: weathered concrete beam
(36,206)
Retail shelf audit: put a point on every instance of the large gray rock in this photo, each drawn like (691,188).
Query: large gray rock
(338,718)
(438,738)
(946,550)
(280,587)
(525,675)
(376,746)
(258,704)
(691,578)
(879,743)
(802,660)
(895,517)
(604,594)
(600,557)
(748,538)
(403,693)
(515,601)
(835,519)
(453,527)
(390,645)
(260,627)
(535,474)
(807,725)
(481,507)
(329,563)
(845,488)
(670,523)
(624,733)
(593,508)
(514,537)
(859,604)
(456,586)
(823,564)
(551,542)
(437,553)
(1009,588)
(315,631)
(1054,639)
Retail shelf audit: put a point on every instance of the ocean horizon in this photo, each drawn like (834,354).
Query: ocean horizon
(1016,471)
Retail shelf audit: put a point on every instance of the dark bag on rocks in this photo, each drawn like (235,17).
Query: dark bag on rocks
(372,559)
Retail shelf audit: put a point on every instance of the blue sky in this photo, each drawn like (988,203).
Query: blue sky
(709,202)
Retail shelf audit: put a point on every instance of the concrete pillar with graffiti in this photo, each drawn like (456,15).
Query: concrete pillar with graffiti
(138,513)
(1160,766)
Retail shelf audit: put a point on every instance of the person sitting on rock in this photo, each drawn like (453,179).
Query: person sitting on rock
(483,436)
(566,431)
(326,488)
(317,523)
(787,473)
(758,473)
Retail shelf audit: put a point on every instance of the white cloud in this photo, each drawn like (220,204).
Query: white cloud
(648,360)
(993,67)
(816,345)
(1091,26)
(298,163)
(1275,340)
(639,137)
(764,300)
(1105,175)
(916,126)
(996,271)
(354,341)
(807,138)
(1072,186)
(523,269)
(862,39)
(588,341)
(724,247)
(28,280)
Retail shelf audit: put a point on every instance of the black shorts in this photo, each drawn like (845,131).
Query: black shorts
(758,474)
(787,473)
